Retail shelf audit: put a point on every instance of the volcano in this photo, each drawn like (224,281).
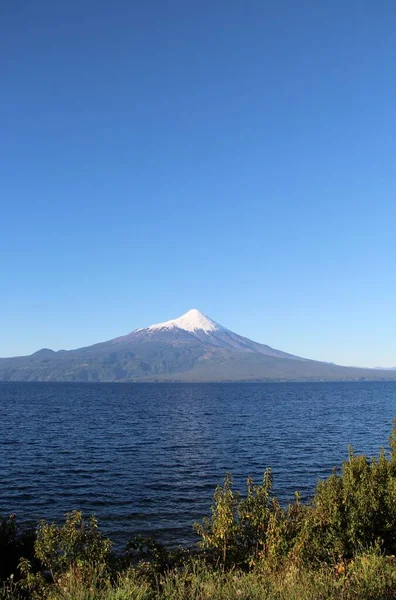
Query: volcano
(190,348)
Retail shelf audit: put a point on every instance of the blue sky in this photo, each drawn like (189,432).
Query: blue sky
(237,157)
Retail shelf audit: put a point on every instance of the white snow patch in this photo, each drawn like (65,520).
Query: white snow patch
(193,320)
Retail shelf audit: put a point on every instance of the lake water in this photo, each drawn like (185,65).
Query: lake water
(145,458)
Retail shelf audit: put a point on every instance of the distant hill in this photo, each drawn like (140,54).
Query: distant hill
(190,348)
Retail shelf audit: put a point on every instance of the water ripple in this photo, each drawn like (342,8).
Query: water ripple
(146,458)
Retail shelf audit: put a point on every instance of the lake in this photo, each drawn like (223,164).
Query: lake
(145,458)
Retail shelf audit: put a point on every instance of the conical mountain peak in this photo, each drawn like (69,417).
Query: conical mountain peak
(193,320)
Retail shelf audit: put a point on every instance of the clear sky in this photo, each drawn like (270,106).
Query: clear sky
(236,157)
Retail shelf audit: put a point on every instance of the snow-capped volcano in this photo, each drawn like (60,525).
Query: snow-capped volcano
(192,347)
(192,321)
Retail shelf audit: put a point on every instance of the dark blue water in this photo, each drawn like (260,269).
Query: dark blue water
(146,457)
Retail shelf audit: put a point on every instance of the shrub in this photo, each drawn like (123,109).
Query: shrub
(14,543)
(72,545)
(220,532)
(75,551)
(351,510)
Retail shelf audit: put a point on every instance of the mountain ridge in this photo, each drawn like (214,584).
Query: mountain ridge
(189,348)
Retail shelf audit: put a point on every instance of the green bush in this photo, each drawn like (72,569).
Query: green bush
(14,544)
(72,545)
(351,510)
(75,551)
(150,558)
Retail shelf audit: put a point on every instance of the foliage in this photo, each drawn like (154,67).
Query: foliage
(242,530)
(351,510)
(75,550)
(150,558)
(237,531)
(220,533)
(14,543)
(72,545)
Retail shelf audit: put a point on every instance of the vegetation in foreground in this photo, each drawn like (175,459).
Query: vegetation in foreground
(341,545)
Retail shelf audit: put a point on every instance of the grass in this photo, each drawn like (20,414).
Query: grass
(370,576)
